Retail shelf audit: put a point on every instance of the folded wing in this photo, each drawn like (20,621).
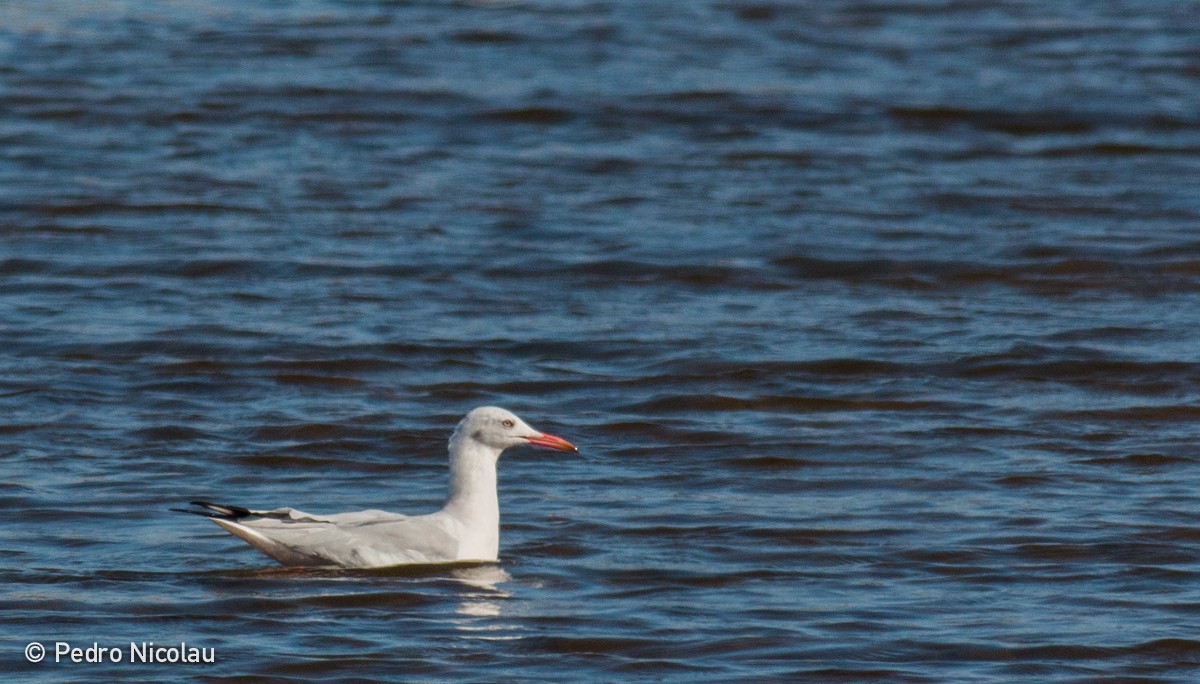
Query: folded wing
(360,539)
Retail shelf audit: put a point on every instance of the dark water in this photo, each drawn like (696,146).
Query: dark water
(877,324)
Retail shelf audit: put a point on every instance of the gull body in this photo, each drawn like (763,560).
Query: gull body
(466,529)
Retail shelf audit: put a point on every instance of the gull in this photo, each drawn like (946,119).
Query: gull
(466,529)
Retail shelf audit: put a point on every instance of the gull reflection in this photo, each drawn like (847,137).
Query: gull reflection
(485,601)
(482,577)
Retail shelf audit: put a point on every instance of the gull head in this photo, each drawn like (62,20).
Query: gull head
(500,429)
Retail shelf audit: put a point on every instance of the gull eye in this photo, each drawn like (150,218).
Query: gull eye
(507,424)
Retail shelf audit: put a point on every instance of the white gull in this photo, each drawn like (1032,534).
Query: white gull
(466,529)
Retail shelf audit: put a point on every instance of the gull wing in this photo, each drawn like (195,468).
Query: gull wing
(362,539)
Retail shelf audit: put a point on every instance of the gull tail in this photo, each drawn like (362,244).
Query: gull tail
(216,511)
(233,520)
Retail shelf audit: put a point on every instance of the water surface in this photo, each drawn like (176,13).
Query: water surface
(876,323)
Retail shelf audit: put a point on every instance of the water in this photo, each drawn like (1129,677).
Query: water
(876,323)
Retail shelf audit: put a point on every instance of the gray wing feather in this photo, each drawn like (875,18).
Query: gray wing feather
(358,539)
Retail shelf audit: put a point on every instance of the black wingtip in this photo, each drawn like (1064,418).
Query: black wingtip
(212,510)
(206,514)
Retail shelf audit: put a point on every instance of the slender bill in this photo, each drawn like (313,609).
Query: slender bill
(551,442)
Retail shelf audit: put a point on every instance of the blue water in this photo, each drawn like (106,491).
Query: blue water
(875,322)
